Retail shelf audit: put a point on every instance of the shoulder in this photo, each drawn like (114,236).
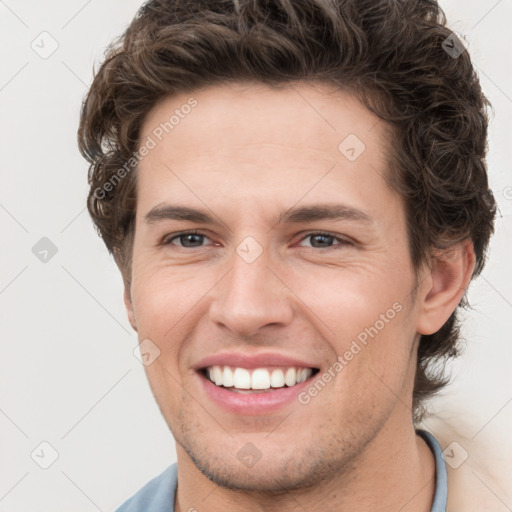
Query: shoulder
(156,496)
(476,473)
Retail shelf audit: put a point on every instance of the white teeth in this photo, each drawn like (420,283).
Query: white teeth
(277,379)
(228,377)
(241,379)
(217,375)
(257,379)
(260,379)
(302,375)
(290,377)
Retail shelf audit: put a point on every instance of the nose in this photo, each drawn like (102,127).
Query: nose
(251,296)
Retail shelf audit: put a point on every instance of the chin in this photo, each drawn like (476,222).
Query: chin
(265,476)
(276,472)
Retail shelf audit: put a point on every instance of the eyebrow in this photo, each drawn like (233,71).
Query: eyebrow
(300,215)
(315,213)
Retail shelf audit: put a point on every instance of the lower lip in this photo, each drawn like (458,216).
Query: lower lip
(253,403)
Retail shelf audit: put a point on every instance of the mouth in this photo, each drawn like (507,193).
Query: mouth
(256,380)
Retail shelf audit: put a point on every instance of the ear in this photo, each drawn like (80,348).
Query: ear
(129,306)
(441,292)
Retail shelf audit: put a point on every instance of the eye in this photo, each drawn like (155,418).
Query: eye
(195,239)
(324,240)
(188,240)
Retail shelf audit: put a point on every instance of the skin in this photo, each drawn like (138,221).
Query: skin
(245,154)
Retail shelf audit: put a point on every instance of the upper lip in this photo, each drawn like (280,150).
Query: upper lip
(244,360)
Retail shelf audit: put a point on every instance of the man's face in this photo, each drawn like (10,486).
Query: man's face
(257,287)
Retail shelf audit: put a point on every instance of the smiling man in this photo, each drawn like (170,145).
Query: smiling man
(296,196)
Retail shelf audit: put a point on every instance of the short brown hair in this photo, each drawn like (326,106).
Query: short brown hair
(397,56)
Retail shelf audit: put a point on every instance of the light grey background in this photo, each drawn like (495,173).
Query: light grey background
(68,373)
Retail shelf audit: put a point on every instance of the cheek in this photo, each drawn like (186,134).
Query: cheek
(366,318)
(162,297)
(160,307)
(349,301)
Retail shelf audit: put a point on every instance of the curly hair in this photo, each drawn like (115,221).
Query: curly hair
(397,56)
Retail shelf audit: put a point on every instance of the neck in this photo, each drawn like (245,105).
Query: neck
(396,471)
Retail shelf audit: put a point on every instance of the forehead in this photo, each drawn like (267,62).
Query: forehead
(253,139)
(301,115)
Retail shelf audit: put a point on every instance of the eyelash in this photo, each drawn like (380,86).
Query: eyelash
(343,241)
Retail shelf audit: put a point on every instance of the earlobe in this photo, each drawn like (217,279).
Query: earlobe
(451,271)
(129,306)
